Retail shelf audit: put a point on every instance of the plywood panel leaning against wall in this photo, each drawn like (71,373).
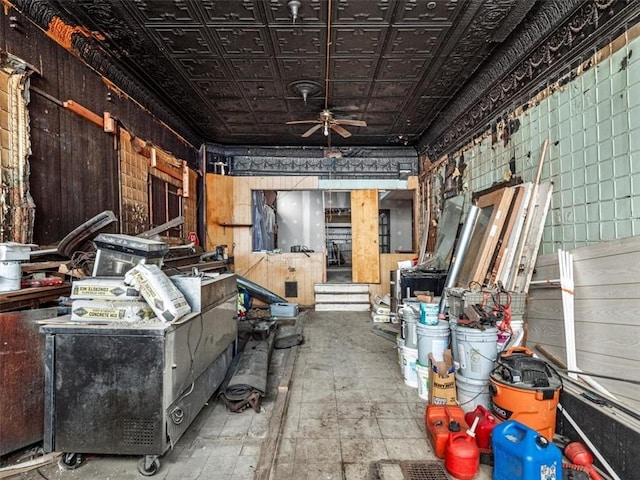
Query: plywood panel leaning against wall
(365,236)
(17,209)
(219,214)
(607,312)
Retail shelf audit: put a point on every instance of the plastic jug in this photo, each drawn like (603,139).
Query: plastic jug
(521,453)
(485,425)
(462,456)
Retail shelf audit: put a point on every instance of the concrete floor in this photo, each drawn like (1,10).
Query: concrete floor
(335,405)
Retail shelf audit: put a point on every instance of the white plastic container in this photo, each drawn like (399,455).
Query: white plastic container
(472,393)
(432,339)
(409,360)
(477,351)
(422,372)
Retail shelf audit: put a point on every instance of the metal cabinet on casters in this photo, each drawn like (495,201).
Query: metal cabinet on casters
(133,389)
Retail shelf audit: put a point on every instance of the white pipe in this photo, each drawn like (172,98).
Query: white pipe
(586,440)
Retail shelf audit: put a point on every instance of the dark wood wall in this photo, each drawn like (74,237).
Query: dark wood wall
(74,163)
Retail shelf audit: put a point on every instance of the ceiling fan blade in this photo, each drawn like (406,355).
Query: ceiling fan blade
(301,121)
(338,129)
(311,130)
(355,123)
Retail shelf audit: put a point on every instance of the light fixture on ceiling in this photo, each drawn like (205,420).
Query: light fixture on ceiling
(306,89)
(325,129)
(294,6)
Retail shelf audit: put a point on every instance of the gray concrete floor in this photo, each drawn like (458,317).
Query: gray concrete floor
(347,406)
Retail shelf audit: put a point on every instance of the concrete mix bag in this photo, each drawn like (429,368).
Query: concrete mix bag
(110,311)
(158,290)
(106,288)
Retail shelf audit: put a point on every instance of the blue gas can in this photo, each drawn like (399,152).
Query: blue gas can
(521,453)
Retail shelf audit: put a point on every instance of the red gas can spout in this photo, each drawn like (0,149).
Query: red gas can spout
(578,454)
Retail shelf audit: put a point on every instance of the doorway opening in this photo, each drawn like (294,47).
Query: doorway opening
(338,240)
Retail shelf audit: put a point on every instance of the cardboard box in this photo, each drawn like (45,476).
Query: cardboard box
(442,380)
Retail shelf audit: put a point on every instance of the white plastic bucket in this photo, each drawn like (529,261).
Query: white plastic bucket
(422,372)
(477,351)
(453,323)
(472,393)
(409,359)
(400,344)
(10,275)
(432,339)
(409,322)
(429,313)
(506,340)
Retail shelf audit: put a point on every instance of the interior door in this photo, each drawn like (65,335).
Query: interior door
(365,251)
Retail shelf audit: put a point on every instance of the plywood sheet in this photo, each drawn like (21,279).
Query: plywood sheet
(271,271)
(220,211)
(365,236)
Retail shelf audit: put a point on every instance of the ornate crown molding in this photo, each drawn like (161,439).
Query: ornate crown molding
(555,36)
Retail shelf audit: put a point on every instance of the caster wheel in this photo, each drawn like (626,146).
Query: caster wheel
(71,461)
(148,469)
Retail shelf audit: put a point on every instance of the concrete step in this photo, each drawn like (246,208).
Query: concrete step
(341,288)
(342,298)
(342,307)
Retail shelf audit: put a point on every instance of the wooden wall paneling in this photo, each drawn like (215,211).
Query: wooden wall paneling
(365,253)
(219,210)
(69,154)
(271,271)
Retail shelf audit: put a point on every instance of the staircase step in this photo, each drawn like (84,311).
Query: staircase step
(341,288)
(342,298)
(342,307)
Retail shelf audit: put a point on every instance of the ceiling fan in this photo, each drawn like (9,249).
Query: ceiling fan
(325,119)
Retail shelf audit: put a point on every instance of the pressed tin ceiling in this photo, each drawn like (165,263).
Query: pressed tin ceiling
(233,71)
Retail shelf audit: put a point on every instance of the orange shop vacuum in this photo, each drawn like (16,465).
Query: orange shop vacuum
(525,389)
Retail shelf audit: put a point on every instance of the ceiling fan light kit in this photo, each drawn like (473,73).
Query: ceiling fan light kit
(325,120)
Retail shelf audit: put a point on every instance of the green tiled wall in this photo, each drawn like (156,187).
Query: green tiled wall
(593,127)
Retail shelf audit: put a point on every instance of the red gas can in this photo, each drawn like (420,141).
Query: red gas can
(462,458)
(484,427)
(440,421)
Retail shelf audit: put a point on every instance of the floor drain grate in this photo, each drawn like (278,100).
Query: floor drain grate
(423,471)
(411,470)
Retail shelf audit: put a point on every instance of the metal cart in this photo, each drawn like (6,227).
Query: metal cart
(134,388)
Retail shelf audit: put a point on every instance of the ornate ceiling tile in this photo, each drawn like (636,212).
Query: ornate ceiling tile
(414,41)
(249,68)
(402,68)
(241,41)
(162,11)
(358,41)
(294,41)
(441,11)
(359,12)
(353,68)
(230,11)
(201,67)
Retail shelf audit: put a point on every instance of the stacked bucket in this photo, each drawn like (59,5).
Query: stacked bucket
(422,333)
(475,350)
